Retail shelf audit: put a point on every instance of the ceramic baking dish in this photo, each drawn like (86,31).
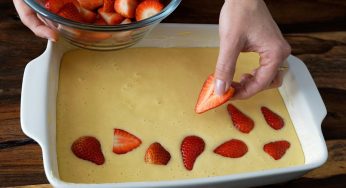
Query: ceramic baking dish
(302,99)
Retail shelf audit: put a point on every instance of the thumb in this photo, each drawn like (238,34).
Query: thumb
(225,66)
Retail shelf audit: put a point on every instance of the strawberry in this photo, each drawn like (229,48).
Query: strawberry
(277,149)
(126,8)
(90,4)
(88,148)
(157,154)
(272,119)
(54,5)
(88,15)
(148,9)
(233,149)
(100,21)
(126,21)
(111,18)
(191,148)
(124,142)
(108,5)
(241,121)
(208,99)
(70,11)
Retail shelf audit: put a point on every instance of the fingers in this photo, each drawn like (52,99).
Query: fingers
(30,19)
(266,76)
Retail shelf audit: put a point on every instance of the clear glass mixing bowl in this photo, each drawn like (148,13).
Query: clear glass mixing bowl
(99,37)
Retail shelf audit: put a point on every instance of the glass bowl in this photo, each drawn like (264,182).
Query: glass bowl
(101,37)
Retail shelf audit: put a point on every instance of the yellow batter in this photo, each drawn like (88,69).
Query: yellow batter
(151,92)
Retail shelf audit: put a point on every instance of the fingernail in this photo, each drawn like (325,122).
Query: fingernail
(220,87)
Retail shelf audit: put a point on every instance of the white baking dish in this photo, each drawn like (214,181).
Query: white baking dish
(304,104)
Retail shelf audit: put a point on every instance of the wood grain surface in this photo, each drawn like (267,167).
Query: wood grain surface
(316,30)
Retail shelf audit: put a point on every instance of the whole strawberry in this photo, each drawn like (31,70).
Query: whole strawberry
(88,148)
(191,148)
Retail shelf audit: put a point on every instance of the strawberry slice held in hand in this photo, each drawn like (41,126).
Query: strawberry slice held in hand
(70,11)
(126,8)
(148,8)
(191,148)
(90,4)
(241,121)
(88,148)
(208,99)
(111,18)
(157,154)
(272,119)
(124,142)
(277,149)
(233,149)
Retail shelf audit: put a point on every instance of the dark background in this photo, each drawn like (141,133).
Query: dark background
(316,30)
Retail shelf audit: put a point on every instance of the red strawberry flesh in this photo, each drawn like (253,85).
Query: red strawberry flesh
(233,149)
(191,148)
(70,11)
(88,148)
(241,121)
(272,119)
(208,99)
(157,154)
(148,9)
(277,149)
(124,142)
(126,8)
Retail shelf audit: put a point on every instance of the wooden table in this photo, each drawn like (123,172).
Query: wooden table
(323,52)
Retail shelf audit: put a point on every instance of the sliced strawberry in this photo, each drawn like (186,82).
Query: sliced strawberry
(233,149)
(108,5)
(100,21)
(124,142)
(90,4)
(54,5)
(126,8)
(208,99)
(70,11)
(111,18)
(241,121)
(126,21)
(88,15)
(191,148)
(277,149)
(157,154)
(148,9)
(273,119)
(88,148)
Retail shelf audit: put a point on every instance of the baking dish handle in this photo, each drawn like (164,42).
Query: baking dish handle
(33,110)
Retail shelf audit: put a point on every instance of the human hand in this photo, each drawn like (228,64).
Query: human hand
(30,19)
(247,26)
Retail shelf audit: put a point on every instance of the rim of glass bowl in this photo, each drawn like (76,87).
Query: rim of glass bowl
(123,27)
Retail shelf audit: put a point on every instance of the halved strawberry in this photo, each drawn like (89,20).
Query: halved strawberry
(70,11)
(273,119)
(100,21)
(241,121)
(157,154)
(191,148)
(124,142)
(111,18)
(148,9)
(233,149)
(208,99)
(54,5)
(126,8)
(88,148)
(126,21)
(108,5)
(90,4)
(277,149)
(88,15)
